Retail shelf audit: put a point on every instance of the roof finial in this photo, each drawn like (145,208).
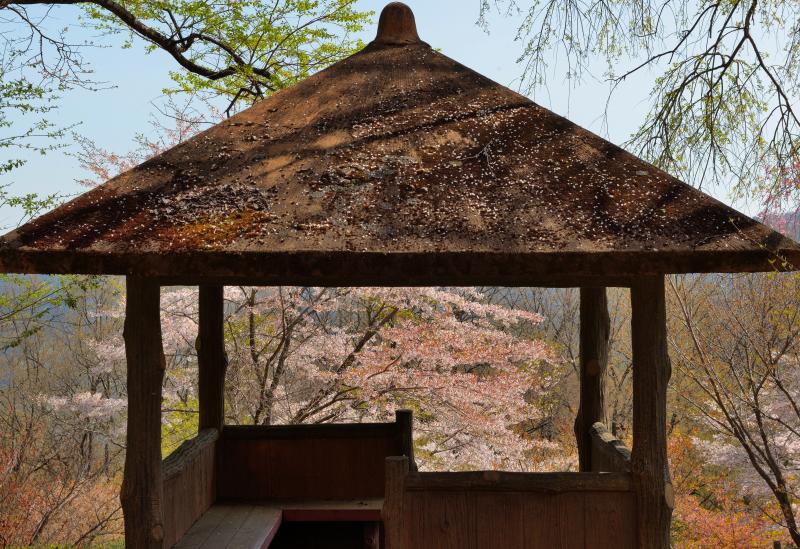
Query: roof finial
(397,25)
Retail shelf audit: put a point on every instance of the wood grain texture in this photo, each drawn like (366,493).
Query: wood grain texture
(233,527)
(594,333)
(189,484)
(609,454)
(525,511)
(499,481)
(307,461)
(142,490)
(651,373)
(211,358)
(393,514)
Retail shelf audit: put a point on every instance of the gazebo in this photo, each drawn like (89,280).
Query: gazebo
(396,166)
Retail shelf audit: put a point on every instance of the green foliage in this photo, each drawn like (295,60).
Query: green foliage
(180,423)
(20,100)
(28,303)
(241,50)
(724,77)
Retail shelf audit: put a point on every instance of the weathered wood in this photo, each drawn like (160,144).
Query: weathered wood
(651,373)
(500,481)
(404,419)
(509,511)
(516,275)
(397,468)
(372,535)
(189,484)
(212,361)
(308,431)
(307,461)
(609,454)
(233,527)
(142,488)
(594,333)
(356,510)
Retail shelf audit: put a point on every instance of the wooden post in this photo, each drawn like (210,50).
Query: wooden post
(142,487)
(405,423)
(211,358)
(651,373)
(595,327)
(392,512)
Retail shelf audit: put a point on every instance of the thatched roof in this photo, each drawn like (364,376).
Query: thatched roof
(397,165)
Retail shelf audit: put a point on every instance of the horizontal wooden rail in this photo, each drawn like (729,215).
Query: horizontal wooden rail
(285,432)
(608,453)
(184,455)
(492,481)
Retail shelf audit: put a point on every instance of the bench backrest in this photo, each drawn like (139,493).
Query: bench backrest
(326,461)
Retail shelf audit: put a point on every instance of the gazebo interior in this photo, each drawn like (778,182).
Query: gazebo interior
(394,167)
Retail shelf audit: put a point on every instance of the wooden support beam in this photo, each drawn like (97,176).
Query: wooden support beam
(651,373)
(595,326)
(397,467)
(211,358)
(142,489)
(405,423)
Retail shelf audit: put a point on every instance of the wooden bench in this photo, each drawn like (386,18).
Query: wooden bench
(219,485)
(254,526)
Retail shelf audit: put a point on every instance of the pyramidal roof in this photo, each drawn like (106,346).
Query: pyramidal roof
(396,165)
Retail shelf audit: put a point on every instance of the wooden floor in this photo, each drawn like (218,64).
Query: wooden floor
(247,526)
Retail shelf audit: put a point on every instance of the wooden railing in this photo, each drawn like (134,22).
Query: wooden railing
(326,461)
(485,510)
(189,484)
(609,454)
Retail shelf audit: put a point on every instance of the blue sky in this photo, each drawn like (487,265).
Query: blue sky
(112,117)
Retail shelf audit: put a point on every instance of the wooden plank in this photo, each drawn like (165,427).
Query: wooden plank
(211,358)
(305,431)
(142,487)
(292,469)
(498,520)
(393,512)
(203,528)
(364,510)
(294,514)
(522,275)
(594,334)
(243,470)
(443,520)
(494,481)
(651,373)
(303,468)
(610,521)
(258,530)
(189,487)
(570,523)
(227,528)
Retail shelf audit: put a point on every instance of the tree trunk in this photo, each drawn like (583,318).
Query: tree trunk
(211,358)
(595,327)
(651,373)
(142,489)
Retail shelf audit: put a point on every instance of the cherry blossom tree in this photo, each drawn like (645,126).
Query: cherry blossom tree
(737,339)
(312,355)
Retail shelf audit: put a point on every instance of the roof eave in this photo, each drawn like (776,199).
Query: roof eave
(351,268)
